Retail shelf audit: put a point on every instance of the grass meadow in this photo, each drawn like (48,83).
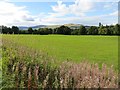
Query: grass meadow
(58,61)
(100,49)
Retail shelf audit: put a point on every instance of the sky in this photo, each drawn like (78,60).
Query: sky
(31,13)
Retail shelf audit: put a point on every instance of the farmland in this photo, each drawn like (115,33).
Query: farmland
(100,49)
(58,61)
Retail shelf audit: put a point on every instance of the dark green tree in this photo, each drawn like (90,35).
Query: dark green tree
(15,29)
(44,31)
(100,30)
(108,30)
(82,30)
(92,30)
(30,30)
(4,30)
(63,30)
(117,29)
(75,32)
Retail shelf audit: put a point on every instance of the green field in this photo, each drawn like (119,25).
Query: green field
(100,49)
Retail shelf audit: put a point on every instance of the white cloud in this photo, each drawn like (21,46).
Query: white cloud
(11,14)
(85,20)
(107,6)
(79,8)
(60,8)
(110,6)
(114,14)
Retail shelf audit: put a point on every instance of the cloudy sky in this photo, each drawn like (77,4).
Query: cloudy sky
(46,13)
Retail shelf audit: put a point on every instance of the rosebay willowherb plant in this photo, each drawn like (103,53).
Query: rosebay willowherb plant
(86,75)
(28,68)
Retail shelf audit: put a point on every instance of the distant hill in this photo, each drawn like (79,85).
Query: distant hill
(39,26)
(71,25)
(34,27)
(23,28)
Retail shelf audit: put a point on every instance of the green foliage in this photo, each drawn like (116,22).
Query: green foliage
(75,32)
(117,29)
(30,30)
(15,29)
(6,30)
(0,73)
(44,31)
(101,30)
(26,71)
(92,30)
(82,30)
(99,49)
(23,32)
(63,30)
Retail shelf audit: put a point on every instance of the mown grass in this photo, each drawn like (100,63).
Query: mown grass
(100,49)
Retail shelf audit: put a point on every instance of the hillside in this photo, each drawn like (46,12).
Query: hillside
(72,26)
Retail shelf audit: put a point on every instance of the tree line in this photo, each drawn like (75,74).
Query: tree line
(92,30)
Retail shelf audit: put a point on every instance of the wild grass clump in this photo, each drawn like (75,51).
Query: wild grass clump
(23,67)
(86,75)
